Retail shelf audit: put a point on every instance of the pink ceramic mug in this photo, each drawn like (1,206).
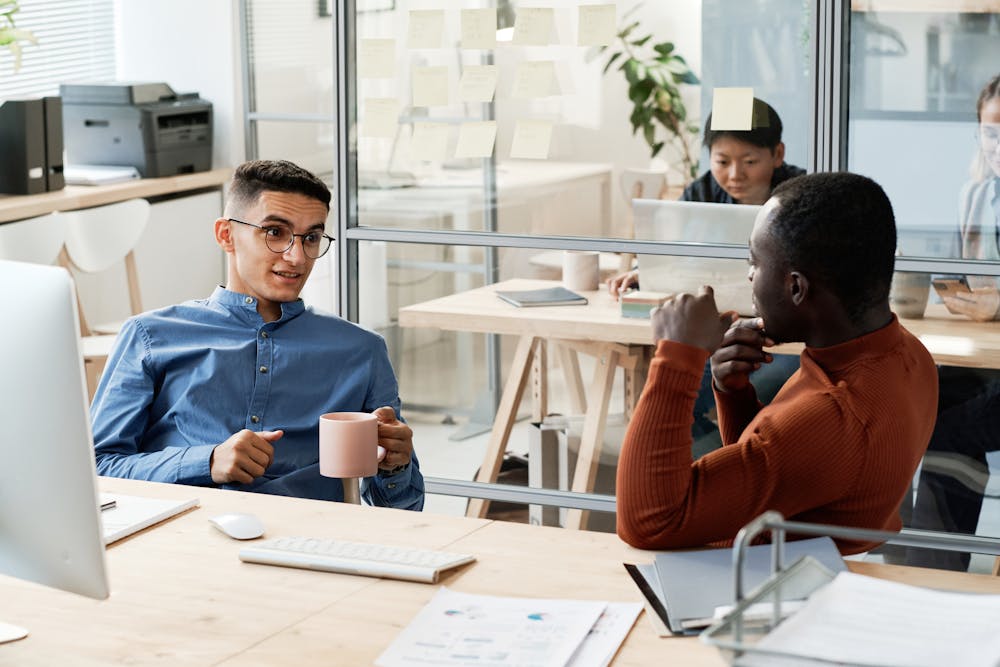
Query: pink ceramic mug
(348,444)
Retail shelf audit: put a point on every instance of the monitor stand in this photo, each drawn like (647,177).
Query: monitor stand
(10,633)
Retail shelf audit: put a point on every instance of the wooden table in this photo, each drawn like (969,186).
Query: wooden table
(599,329)
(18,207)
(180,595)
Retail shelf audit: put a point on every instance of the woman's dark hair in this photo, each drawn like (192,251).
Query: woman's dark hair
(765,128)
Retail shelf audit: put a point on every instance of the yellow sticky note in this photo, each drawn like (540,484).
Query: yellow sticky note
(476,139)
(478,83)
(430,86)
(597,25)
(479,28)
(732,109)
(430,142)
(426,29)
(533,26)
(376,58)
(531,139)
(380,117)
(534,78)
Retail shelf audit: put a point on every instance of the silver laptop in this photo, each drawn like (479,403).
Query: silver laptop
(696,222)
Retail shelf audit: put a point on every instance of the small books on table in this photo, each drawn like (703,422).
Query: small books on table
(548,296)
(689,586)
(130,514)
(638,303)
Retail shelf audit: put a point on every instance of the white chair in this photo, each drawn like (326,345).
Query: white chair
(643,184)
(97,239)
(35,240)
(639,184)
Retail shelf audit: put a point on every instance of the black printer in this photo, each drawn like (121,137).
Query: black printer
(144,125)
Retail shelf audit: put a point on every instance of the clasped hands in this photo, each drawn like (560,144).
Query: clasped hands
(736,344)
(245,455)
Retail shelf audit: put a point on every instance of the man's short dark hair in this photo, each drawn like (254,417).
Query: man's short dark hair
(765,128)
(838,228)
(256,176)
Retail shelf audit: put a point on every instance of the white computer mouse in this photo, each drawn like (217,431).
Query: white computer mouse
(238,526)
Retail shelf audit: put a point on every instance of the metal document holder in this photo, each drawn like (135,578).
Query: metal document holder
(757,613)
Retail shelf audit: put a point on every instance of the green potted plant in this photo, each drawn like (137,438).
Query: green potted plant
(655,72)
(10,35)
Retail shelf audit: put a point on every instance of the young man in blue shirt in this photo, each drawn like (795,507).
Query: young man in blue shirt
(227,391)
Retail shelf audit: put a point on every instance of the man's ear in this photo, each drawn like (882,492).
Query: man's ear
(224,234)
(779,154)
(798,287)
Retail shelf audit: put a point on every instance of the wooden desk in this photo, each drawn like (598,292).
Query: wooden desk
(180,596)
(599,329)
(18,207)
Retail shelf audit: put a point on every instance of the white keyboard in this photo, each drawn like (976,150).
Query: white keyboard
(371,560)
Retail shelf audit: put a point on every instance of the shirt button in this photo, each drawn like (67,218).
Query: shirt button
(263,334)
(248,300)
(255,419)
(263,369)
(392,485)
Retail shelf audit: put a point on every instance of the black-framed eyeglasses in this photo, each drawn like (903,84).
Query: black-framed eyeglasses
(279,238)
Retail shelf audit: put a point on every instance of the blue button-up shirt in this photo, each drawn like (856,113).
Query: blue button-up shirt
(182,379)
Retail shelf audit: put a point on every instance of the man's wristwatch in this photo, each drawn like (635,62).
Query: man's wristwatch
(393,471)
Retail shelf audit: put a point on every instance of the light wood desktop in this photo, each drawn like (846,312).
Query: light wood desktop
(18,207)
(181,596)
(598,329)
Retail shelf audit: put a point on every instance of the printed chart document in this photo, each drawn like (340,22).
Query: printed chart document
(864,620)
(607,635)
(457,629)
(131,514)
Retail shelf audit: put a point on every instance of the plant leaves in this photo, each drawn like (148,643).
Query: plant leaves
(639,91)
(628,29)
(664,48)
(640,42)
(611,61)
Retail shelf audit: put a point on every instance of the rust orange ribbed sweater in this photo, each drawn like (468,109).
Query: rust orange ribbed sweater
(839,444)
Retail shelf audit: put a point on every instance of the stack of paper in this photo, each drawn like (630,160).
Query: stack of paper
(456,629)
(864,620)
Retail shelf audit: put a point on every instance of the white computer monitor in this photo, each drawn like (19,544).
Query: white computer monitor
(696,222)
(50,528)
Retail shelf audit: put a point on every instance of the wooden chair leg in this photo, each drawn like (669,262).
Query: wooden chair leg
(996,566)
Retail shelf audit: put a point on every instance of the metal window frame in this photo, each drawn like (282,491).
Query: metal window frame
(827,152)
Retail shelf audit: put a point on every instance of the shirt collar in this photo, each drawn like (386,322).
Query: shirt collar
(236,302)
(875,344)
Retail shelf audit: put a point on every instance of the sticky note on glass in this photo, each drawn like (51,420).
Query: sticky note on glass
(426,29)
(478,83)
(430,142)
(533,26)
(380,117)
(476,139)
(531,139)
(430,86)
(479,28)
(732,109)
(376,58)
(597,25)
(534,78)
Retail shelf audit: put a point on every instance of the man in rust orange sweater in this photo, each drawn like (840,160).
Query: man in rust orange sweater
(841,440)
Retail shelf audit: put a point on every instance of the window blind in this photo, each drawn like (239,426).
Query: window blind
(76,42)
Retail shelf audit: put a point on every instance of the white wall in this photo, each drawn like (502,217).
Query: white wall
(192,45)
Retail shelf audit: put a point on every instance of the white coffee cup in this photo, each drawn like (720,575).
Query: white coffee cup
(581,270)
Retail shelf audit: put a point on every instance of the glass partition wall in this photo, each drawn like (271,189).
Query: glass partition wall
(465,152)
